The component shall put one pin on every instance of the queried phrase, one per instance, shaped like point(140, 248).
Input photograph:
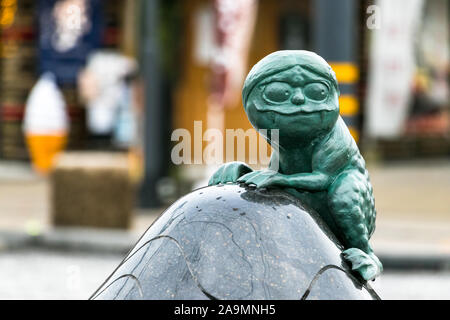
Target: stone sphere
point(235, 242)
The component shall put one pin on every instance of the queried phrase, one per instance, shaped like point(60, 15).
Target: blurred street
point(402, 236)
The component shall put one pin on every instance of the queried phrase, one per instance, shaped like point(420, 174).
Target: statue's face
point(300, 103)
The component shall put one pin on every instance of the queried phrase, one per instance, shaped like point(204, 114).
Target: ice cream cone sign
point(45, 123)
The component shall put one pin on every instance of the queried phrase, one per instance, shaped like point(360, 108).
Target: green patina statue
point(315, 158)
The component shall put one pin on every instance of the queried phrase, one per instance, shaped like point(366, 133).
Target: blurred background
point(91, 92)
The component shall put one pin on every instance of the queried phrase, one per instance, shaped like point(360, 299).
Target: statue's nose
point(298, 98)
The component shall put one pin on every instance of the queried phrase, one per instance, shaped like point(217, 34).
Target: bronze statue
point(317, 160)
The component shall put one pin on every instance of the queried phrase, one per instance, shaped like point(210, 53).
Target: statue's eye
point(316, 91)
point(277, 91)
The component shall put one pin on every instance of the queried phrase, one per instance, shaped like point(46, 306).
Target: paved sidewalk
point(413, 205)
point(413, 224)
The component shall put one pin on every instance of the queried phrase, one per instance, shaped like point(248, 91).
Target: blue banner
point(69, 30)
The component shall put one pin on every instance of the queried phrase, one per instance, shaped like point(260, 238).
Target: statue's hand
point(229, 172)
point(263, 178)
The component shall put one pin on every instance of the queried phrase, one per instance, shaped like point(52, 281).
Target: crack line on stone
point(197, 283)
point(316, 277)
point(261, 251)
point(127, 275)
point(242, 250)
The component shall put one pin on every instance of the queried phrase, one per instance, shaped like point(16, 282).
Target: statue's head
point(295, 91)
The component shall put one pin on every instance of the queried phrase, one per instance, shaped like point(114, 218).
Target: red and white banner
point(392, 67)
point(233, 25)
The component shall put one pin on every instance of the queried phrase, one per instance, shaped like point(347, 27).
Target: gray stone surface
point(236, 242)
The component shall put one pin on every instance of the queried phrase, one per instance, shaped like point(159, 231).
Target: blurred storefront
point(35, 38)
point(408, 89)
point(186, 42)
point(17, 73)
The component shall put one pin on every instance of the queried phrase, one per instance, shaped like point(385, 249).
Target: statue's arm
point(229, 172)
point(326, 165)
point(312, 181)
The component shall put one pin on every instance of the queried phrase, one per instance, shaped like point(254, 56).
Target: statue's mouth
point(295, 111)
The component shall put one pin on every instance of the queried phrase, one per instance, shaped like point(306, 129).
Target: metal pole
point(153, 127)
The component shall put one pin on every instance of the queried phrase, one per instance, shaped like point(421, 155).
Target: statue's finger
point(258, 179)
point(248, 176)
point(265, 183)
